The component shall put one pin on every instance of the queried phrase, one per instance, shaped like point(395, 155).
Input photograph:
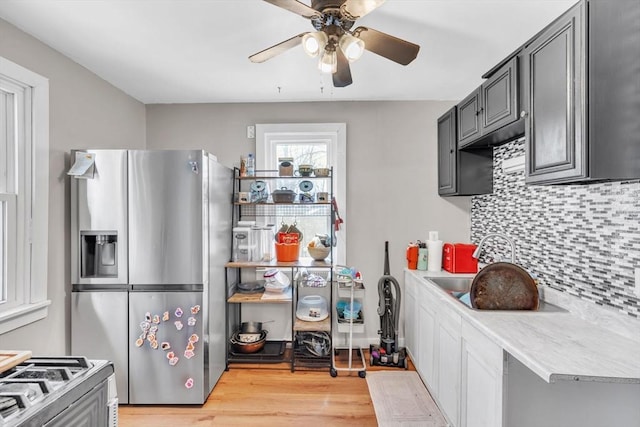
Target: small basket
point(287, 252)
point(319, 253)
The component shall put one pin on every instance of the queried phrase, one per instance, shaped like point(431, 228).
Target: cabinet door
point(447, 153)
point(482, 380)
point(469, 112)
point(555, 115)
point(500, 98)
point(410, 325)
point(427, 341)
point(448, 389)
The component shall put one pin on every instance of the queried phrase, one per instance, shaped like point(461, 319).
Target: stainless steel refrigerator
point(151, 232)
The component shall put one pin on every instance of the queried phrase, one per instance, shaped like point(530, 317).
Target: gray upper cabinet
point(500, 99)
point(491, 107)
point(582, 95)
point(554, 66)
point(461, 173)
point(447, 153)
point(469, 110)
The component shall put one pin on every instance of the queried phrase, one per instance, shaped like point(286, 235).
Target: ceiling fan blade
point(296, 7)
point(358, 8)
point(393, 48)
point(277, 49)
point(342, 76)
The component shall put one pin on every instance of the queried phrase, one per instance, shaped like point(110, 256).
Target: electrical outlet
point(251, 132)
point(637, 288)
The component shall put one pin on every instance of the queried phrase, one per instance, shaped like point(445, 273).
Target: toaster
point(457, 258)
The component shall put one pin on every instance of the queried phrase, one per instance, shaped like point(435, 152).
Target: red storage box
point(456, 258)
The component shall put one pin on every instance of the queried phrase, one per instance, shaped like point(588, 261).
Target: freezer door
point(99, 221)
point(99, 330)
point(166, 374)
point(166, 230)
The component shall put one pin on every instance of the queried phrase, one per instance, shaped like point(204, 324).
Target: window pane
point(305, 153)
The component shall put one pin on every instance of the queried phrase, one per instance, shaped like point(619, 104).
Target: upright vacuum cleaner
point(388, 353)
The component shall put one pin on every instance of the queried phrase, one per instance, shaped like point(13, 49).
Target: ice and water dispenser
point(98, 254)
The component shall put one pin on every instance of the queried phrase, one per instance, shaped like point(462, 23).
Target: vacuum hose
point(388, 310)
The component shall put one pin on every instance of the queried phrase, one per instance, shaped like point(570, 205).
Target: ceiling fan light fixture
point(313, 43)
point(328, 61)
point(351, 46)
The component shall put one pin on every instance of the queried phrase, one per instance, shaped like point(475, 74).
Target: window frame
point(29, 218)
point(267, 135)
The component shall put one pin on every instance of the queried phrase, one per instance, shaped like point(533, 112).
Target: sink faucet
point(476, 253)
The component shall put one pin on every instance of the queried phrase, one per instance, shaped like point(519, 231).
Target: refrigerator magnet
point(178, 324)
point(154, 344)
point(173, 361)
point(195, 309)
point(179, 312)
point(144, 326)
point(189, 354)
point(190, 347)
point(194, 338)
point(165, 346)
point(191, 321)
point(165, 316)
point(139, 342)
point(171, 355)
point(147, 316)
point(156, 319)
point(189, 383)
point(153, 329)
point(151, 337)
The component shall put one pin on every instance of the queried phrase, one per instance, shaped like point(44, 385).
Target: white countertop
point(559, 345)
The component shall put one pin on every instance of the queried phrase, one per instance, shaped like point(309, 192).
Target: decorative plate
point(305, 186)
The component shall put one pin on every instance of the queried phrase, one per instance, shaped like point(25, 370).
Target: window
point(24, 194)
point(318, 144)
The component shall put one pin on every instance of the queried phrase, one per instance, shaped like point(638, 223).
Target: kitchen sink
point(453, 284)
point(459, 287)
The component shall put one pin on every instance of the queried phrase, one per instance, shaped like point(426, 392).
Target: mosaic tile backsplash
point(580, 239)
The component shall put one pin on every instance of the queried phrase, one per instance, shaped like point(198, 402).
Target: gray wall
point(85, 111)
point(392, 189)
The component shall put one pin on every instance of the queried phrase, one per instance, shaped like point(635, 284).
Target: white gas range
point(58, 391)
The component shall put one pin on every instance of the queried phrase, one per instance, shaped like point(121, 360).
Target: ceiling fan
point(334, 41)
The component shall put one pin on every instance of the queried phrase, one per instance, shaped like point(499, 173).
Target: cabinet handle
point(451, 152)
point(523, 114)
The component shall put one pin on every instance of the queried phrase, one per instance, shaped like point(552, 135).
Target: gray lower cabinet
point(582, 95)
point(491, 107)
point(461, 173)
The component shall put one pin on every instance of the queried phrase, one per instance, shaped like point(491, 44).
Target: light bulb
point(328, 61)
point(313, 43)
point(352, 47)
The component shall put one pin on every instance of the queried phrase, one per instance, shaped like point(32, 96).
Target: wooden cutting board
point(504, 286)
point(11, 358)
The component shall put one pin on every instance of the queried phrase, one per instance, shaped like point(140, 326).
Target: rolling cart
point(350, 320)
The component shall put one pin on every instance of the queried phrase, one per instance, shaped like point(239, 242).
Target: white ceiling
point(195, 51)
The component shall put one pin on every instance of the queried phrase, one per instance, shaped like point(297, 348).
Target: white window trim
point(35, 305)
point(267, 134)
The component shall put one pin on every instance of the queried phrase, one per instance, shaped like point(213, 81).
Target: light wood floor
point(269, 397)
